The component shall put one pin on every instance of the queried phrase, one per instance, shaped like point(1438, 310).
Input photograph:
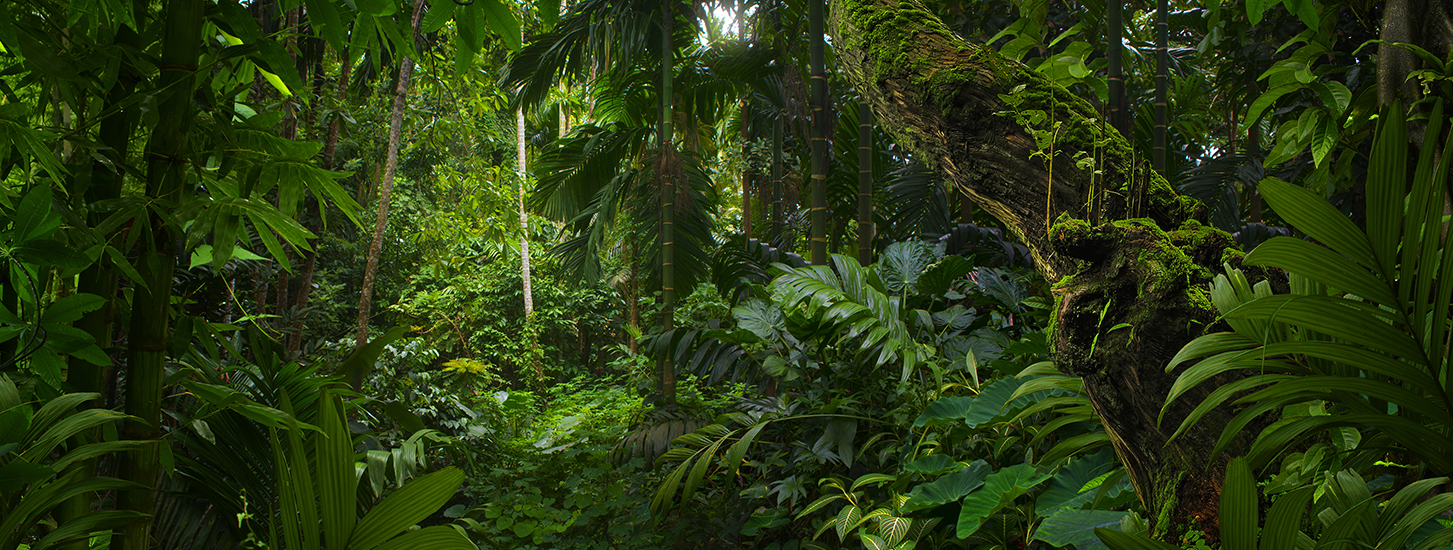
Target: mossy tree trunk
point(953, 104)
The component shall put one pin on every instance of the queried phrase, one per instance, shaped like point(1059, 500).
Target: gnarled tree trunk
point(968, 113)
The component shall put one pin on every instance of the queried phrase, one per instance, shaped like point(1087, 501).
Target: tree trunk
point(865, 184)
point(100, 278)
point(525, 239)
point(818, 132)
point(386, 187)
point(666, 170)
point(1115, 51)
point(939, 96)
point(310, 262)
point(777, 185)
point(151, 303)
point(1162, 76)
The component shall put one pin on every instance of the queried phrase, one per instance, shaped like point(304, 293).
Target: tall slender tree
point(1162, 69)
point(151, 303)
point(386, 186)
point(1115, 52)
point(666, 168)
point(819, 131)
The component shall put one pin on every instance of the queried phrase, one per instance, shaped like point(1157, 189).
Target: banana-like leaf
point(1117, 540)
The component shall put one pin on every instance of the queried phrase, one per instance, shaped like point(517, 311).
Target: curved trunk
point(385, 191)
point(965, 111)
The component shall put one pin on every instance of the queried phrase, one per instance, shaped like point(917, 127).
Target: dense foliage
point(590, 322)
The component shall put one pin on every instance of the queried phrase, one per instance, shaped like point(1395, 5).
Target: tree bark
point(386, 187)
point(952, 104)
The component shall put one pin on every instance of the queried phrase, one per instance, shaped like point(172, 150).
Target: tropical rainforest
point(770, 274)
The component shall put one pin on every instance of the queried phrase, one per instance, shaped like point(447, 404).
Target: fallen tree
point(1130, 258)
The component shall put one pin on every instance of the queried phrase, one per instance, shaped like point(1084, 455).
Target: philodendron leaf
point(949, 488)
point(999, 490)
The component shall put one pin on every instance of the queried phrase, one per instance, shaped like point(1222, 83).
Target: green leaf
point(1117, 540)
point(1306, 10)
point(999, 490)
point(84, 527)
point(337, 485)
point(848, 518)
point(503, 21)
point(946, 489)
point(549, 12)
point(1239, 508)
point(34, 217)
point(872, 542)
point(1284, 521)
point(19, 473)
point(1322, 265)
point(438, 15)
point(71, 308)
point(931, 465)
point(440, 537)
point(1076, 527)
point(1267, 98)
point(324, 14)
point(48, 252)
point(413, 502)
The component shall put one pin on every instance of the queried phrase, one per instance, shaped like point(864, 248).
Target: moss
point(1169, 497)
point(1232, 256)
point(1200, 297)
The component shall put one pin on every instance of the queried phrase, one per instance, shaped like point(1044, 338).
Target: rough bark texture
point(953, 105)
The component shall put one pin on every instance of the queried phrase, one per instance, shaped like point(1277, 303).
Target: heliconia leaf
point(337, 485)
point(1239, 507)
point(324, 14)
point(876, 478)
